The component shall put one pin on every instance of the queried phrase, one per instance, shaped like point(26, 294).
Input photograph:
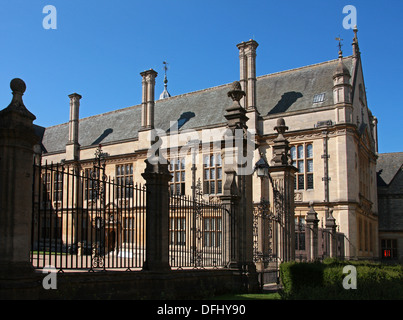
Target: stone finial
point(312, 215)
point(281, 128)
point(236, 114)
point(236, 93)
point(17, 85)
point(281, 145)
point(18, 88)
point(330, 220)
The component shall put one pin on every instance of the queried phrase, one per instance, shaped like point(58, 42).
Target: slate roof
point(286, 91)
point(388, 164)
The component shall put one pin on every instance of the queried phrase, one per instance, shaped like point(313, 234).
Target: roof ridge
point(391, 152)
point(192, 92)
point(96, 115)
point(303, 67)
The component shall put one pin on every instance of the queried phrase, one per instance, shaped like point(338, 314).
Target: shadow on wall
point(286, 101)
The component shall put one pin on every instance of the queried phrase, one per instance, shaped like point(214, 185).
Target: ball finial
point(18, 85)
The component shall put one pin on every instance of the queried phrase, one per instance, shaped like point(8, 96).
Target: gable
point(388, 166)
point(362, 116)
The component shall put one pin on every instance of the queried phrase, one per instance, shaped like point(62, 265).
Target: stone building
point(390, 199)
point(331, 132)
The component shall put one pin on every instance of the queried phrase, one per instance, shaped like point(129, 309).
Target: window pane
point(218, 160)
point(309, 151)
point(212, 173)
point(300, 182)
point(300, 152)
point(206, 160)
point(301, 166)
point(219, 173)
point(183, 163)
point(293, 153)
point(219, 186)
point(219, 224)
point(309, 181)
point(309, 166)
point(206, 224)
point(207, 239)
point(212, 161)
point(183, 176)
point(206, 174)
point(212, 187)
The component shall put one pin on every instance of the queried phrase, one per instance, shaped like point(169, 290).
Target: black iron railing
point(84, 220)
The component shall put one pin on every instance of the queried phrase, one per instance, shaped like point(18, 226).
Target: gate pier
point(17, 140)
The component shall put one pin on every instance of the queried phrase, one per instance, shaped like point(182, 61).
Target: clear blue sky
point(100, 47)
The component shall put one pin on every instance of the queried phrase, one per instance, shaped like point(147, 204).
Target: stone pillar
point(239, 186)
point(230, 199)
point(17, 140)
point(157, 178)
point(282, 175)
point(332, 236)
point(311, 233)
point(234, 152)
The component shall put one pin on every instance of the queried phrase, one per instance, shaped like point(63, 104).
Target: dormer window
point(319, 98)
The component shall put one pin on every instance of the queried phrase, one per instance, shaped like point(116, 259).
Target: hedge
point(316, 280)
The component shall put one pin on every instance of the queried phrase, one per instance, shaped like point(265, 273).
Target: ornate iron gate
point(198, 232)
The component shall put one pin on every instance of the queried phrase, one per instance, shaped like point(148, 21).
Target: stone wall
point(137, 285)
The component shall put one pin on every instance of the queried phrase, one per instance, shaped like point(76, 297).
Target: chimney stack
point(74, 117)
point(73, 147)
point(247, 64)
point(147, 114)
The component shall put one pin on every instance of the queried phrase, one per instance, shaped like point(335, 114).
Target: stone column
point(311, 233)
point(17, 140)
point(282, 175)
point(157, 178)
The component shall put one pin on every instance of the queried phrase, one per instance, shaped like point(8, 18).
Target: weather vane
point(340, 40)
point(165, 66)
